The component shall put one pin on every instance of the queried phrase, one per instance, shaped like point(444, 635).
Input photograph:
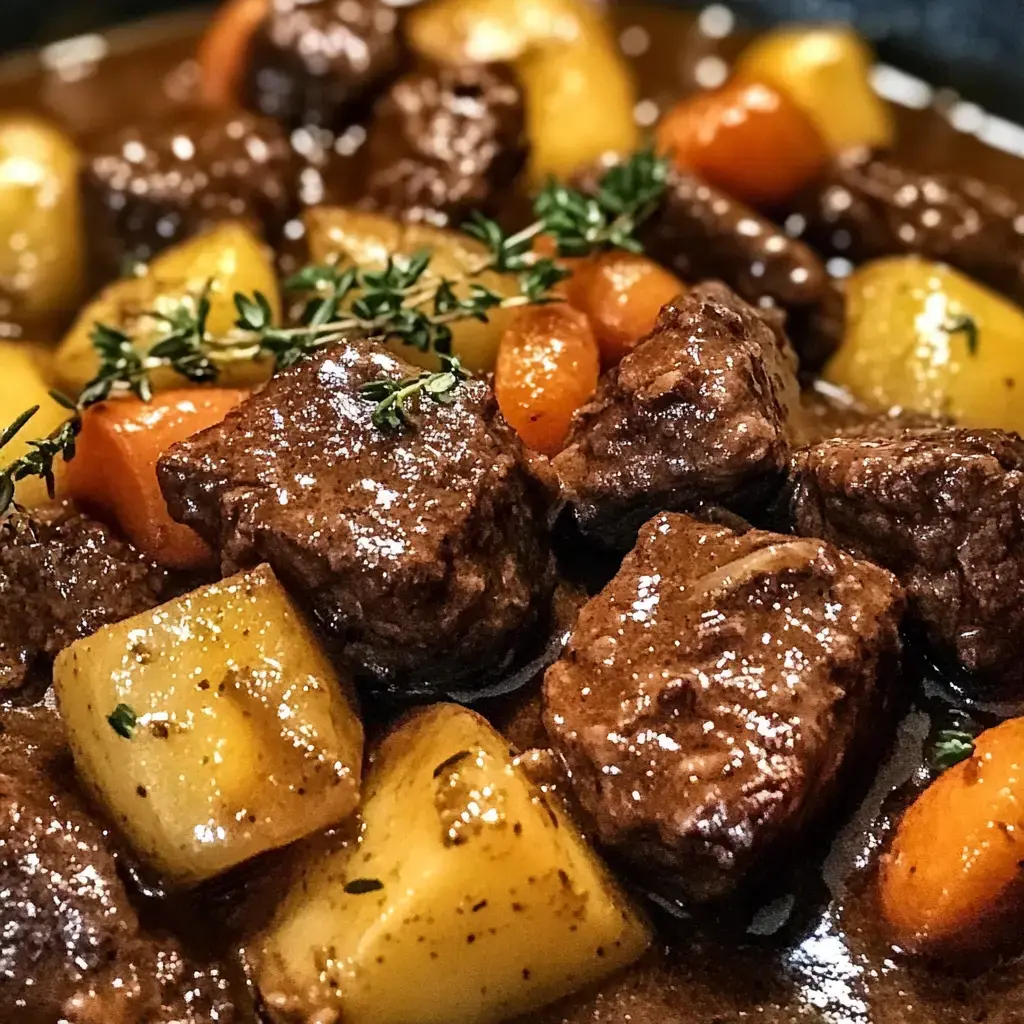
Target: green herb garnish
point(951, 747)
point(966, 325)
point(123, 720)
point(403, 301)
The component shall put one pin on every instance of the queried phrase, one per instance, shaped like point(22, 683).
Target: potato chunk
point(469, 898)
point(925, 337)
point(212, 728)
point(230, 257)
point(370, 238)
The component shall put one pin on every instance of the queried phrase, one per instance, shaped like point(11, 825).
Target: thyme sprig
point(950, 748)
point(405, 300)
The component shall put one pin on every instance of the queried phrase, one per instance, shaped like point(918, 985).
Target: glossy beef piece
point(446, 141)
point(700, 412)
point(870, 205)
point(321, 62)
point(73, 950)
point(423, 551)
point(62, 577)
point(149, 185)
point(702, 232)
point(713, 694)
point(943, 509)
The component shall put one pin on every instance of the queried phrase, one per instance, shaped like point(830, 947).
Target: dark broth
point(813, 952)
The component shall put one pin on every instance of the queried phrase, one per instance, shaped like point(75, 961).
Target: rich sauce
point(813, 951)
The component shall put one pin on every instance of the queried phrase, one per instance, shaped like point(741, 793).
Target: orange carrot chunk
point(952, 881)
point(622, 294)
point(547, 367)
point(747, 138)
point(113, 472)
point(224, 47)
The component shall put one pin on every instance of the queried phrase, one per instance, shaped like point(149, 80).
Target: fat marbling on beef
point(700, 412)
point(72, 949)
point(943, 509)
point(716, 692)
point(62, 577)
point(423, 551)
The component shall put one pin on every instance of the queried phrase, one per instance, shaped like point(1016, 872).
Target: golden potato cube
point(230, 257)
point(212, 728)
point(925, 337)
point(369, 239)
point(469, 898)
point(826, 70)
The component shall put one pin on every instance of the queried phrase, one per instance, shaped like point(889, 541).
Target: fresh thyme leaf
point(15, 428)
point(963, 323)
point(123, 720)
point(254, 314)
point(951, 747)
point(38, 461)
point(391, 395)
point(361, 886)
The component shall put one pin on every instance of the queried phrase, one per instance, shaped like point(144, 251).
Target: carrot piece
point(547, 367)
point(223, 48)
point(747, 138)
point(952, 880)
point(114, 469)
point(622, 294)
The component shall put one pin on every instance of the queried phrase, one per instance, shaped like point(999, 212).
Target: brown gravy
point(814, 951)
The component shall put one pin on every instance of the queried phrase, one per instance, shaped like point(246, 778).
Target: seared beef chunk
point(446, 141)
point(713, 694)
point(699, 412)
point(702, 232)
point(148, 186)
point(62, 577)
point(72, 949)
point(870, 206)
point(944, 510)
point(423, 550)
point(321, 62)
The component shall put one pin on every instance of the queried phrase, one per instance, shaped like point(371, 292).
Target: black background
point(976, 46)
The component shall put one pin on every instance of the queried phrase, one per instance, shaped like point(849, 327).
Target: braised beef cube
point(715, 694)
point(73, 949)
point(698, 413)
point(62, 577)
point(702, 232)
point(444, 142)
point(943, 509)
point(321, 63)
point(423, 551)
point(869, 205)
point(147, 186)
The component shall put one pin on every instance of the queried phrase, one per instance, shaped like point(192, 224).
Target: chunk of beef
point(714, 693)
point(424, 550)
point(870, 205)
point(944, 510)
point(62, 577)
point(444, 142)
point(71, 946)
point(702, 232)
point(699, 412)
point(147, 186)
point(321, 63)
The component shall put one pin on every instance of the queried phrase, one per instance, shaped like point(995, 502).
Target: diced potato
point(368, 239)
point(922, 336)
point(469, 899)
point(826, 70)
point(579, 107)
point(41, 239)
point(483, 31)
point(580, 93)
point(23, 384)
point(229, 255)
point(242, 738)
